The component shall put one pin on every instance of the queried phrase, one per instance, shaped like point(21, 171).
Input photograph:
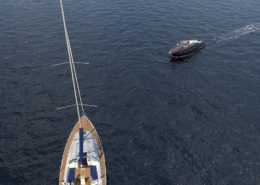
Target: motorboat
point(186, 48)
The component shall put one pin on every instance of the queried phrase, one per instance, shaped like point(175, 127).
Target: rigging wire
point(68, 62)
point(74, 105)
point(72, 66)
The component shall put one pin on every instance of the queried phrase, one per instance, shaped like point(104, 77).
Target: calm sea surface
point(190, 122)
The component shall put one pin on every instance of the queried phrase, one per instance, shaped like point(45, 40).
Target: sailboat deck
point(87, 126)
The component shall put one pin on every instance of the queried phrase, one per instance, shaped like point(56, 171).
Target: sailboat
point(83, 160)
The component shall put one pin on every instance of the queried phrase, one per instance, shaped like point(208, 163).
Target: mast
point(75, 85)
point(81, 145)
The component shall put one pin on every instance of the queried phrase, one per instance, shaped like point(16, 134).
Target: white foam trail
point(239, 32)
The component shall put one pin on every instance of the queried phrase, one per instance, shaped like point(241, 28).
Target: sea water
point(160, 122)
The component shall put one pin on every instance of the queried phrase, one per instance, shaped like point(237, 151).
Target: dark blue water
point(192, 122)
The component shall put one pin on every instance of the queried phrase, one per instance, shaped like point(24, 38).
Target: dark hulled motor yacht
point(186, 48)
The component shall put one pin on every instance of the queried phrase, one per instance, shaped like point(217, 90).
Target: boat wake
point(239, 32)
